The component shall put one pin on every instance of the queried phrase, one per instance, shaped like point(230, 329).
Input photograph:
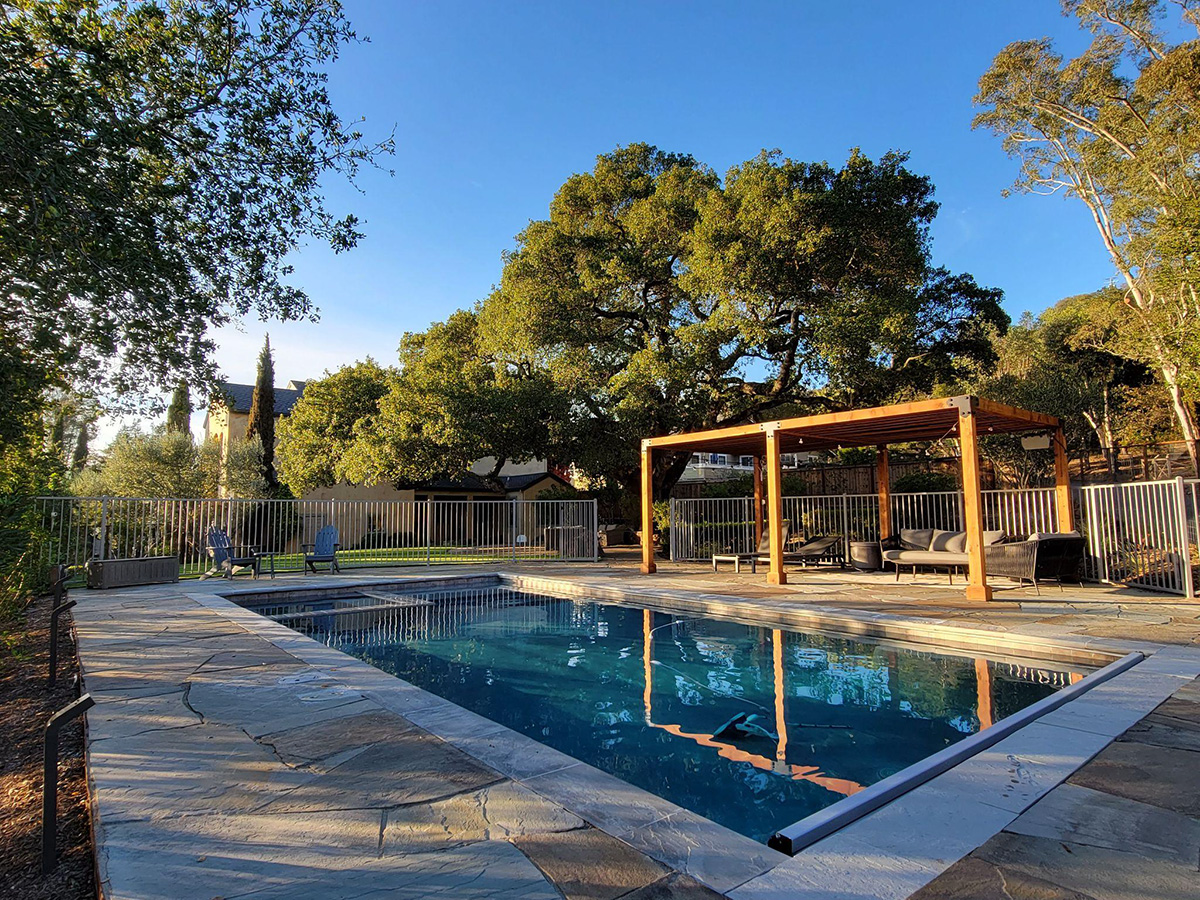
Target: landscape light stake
point(50, 777)
point(58, 578)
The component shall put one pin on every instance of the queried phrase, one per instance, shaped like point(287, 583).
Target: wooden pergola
point(965, 418)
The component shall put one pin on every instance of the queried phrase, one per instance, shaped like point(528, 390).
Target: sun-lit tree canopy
point(657, 297)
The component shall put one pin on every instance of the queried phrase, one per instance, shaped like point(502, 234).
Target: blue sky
point(495, 105)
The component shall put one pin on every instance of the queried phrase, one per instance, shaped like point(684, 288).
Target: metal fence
point(702, 527)
point(371, 532)
point(1144, 535)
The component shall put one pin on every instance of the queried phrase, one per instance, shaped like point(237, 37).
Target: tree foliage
point(1117, 127)
point(170, 464)
point(321, 429)
point(655, 298)
point(453, 401)
point(159, 159)
point(260, 423)
point(179, 412)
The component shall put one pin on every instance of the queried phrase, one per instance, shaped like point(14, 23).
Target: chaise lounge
point(815, 550)
point(764, 547)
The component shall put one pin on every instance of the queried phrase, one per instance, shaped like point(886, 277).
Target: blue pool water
point(644, 695)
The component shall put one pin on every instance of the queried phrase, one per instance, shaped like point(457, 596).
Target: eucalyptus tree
point(1118, 128)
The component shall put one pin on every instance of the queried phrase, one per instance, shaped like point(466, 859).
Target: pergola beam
point(648, 566)
point(968, 438)
point(775, 574)
point(883, 484)
point(1062, 483)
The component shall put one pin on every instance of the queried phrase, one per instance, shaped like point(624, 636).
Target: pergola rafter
point(965, 418)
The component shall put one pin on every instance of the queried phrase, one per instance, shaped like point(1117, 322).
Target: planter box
point(114, 573)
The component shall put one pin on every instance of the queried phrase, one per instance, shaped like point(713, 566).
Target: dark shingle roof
point(520, 482)
point(239, 396)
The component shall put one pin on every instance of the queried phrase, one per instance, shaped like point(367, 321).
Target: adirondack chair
point(323, 549)
point(226, 558)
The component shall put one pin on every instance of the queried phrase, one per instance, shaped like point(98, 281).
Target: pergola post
point(775, 575)
point(758, 501)
point(1062, 483)
point(968, 438)
point(884, 486)
point(648, 566)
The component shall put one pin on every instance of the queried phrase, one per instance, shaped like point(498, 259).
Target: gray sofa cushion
point(915, 538)
point(925, 557)
point(992, 537)
point(951, 541)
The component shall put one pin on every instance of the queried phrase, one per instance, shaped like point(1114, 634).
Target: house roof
point(521, 482)
point(238, 397)
point(472, 483)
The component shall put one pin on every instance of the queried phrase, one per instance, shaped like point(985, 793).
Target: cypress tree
point(179, 413)
point(79, 455)
point(262, 412)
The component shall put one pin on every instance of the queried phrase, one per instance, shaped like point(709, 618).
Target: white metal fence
point(1144, 535)
point(702, 527)
point(371, 532)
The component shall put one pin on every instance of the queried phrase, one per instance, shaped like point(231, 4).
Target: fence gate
point(1143, 535)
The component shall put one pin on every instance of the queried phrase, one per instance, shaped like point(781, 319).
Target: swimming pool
point(753, 727)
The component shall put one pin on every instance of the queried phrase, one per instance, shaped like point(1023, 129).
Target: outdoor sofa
point(931, 548)
point(1040, 557)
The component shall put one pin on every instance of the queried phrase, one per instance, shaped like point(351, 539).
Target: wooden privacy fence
point(1145, 534)
point(371, 532)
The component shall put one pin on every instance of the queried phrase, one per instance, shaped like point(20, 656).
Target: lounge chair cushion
point(915, 538)
point(1050, 535)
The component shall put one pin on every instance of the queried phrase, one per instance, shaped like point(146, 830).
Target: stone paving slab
point(1161, 776)
point(1100, 819)
point(589, 864)
point(1095, 872)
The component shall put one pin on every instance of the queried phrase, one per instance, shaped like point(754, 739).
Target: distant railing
point(1145, 535)
point(371, 532)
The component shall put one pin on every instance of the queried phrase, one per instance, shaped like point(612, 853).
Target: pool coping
point(972, 790)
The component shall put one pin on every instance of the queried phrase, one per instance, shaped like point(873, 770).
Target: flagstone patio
point(231, 757)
